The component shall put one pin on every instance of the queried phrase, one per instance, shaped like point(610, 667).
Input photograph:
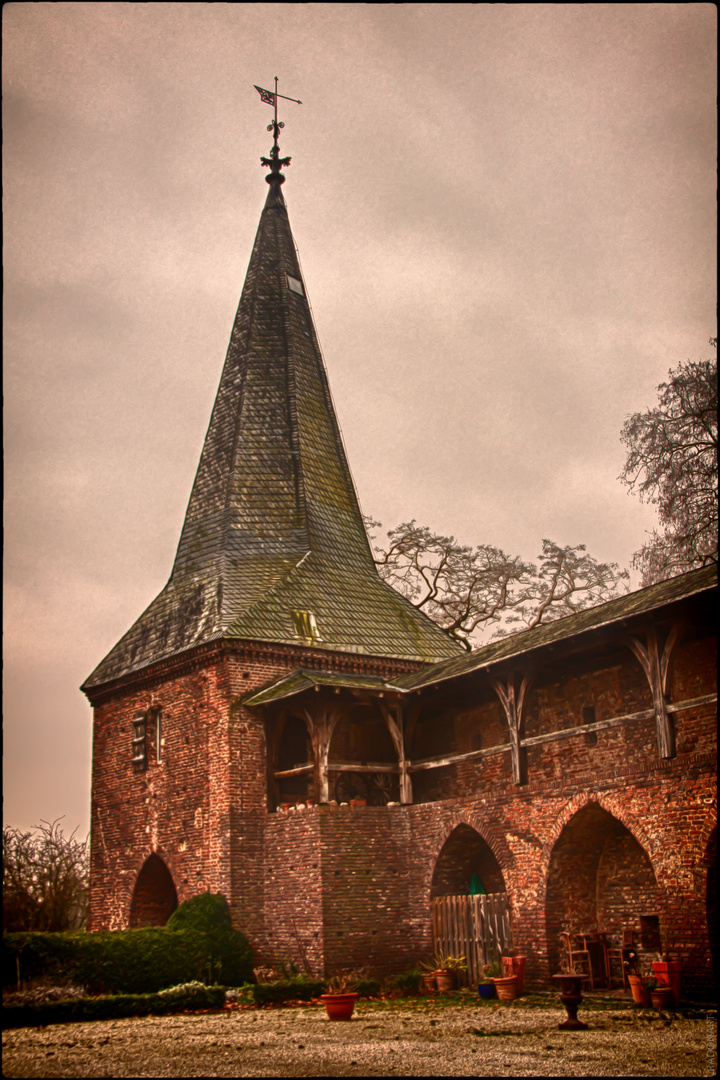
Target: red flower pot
point(515, 965)
point(661, 997)
point(339, 1006)
point(444, 979)
point(506, 988)
point(641, 996)
point(669, 972)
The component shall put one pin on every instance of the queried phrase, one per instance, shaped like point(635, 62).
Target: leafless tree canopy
point(45, 879)
point(466, 590)
point(672, 462)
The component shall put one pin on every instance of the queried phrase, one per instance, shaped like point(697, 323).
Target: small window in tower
point(305, 625)
point(139, 743)
point(296, 285)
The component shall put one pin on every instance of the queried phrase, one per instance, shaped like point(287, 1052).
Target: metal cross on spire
point(275, 162)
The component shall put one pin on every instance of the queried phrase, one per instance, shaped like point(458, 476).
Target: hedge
point(299, 989)
point(197, 943)
point(113, 1007)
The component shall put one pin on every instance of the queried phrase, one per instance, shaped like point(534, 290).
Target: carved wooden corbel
point(393, 716)
point(513, 699)
point(656, 666)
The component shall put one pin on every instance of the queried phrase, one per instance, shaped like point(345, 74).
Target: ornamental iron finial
point(275, 163)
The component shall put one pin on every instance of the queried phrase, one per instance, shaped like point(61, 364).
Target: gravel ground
point(405, 1040)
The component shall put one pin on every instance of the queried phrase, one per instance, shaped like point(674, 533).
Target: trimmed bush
point(368, 987)
point(299, 989)
point(199, 944)
point(178, 998)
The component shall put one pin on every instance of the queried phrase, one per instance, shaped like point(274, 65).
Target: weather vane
point(275, 162)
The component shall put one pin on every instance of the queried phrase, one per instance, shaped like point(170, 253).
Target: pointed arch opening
point(466, 864)
point(154, 897)
point(601, 881)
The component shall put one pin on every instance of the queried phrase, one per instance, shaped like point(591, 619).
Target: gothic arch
point(154, 896)
point(466, 863)
point(492, 854)
point(598, 877)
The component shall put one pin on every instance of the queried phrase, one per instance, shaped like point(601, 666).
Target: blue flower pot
point(486, 990)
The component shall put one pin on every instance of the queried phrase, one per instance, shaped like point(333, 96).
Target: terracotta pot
point(486, 990)
point(428, 984)
point(641, 996)
point(506, 988)
point(339, 1006)
point(515, 965)
point(669, 971)
point(358, 802)
point(661, 997)
point(445, 980)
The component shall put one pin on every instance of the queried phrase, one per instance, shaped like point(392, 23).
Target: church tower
point(273, 578)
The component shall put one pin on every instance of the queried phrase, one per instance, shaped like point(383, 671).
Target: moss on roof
point(273, 524)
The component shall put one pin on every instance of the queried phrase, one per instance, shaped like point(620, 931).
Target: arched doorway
point(470, 913)
point(154, 898)
point(600, 880)
point(465, 865)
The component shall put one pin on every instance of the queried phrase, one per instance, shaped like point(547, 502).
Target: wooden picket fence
point(476, 927)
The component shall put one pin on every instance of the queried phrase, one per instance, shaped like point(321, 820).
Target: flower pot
point(339, 1006)
point(428, 984)
point(661, 997)
point(358, 802)
point(444, 979)
point(669, 971)
point(506, 988)
point(515, 965)
point(571, 996)
point(486, 990)
point(641, 996)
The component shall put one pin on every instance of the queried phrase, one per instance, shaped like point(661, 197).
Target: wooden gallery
point(283, 727)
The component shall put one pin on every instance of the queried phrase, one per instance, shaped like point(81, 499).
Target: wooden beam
point(393, 716)
point(656, 665)
point(513, 700)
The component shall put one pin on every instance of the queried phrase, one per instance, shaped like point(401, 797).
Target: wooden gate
point(476, 927)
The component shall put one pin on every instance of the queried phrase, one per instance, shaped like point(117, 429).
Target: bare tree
point(468, 590)
point(45, 879)
point(672, 462)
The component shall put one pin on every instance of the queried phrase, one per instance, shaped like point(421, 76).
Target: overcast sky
point(506, 221)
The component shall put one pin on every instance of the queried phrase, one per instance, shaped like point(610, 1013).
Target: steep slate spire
point(273, 547)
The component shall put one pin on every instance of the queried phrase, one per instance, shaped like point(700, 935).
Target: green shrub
point(300, 988)
point(408, 982)
point(368, 987)
point(198, 943)
point(177, 998)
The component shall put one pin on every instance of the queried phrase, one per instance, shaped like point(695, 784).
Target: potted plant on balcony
point(340, 995)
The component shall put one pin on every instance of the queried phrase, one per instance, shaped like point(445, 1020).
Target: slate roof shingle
point(273, 522)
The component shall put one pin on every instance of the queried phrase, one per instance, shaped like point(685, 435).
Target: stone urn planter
point(339, 1006)
point(506, 988)
point(669, 972)
point(661, 997)
point(515, 965)
point(641, 996)
point(571, 996)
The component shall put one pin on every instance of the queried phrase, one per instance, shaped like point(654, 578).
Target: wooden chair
point(578, 959)
point(622, 955)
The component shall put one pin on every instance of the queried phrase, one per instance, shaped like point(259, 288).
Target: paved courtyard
point(405, 1039)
